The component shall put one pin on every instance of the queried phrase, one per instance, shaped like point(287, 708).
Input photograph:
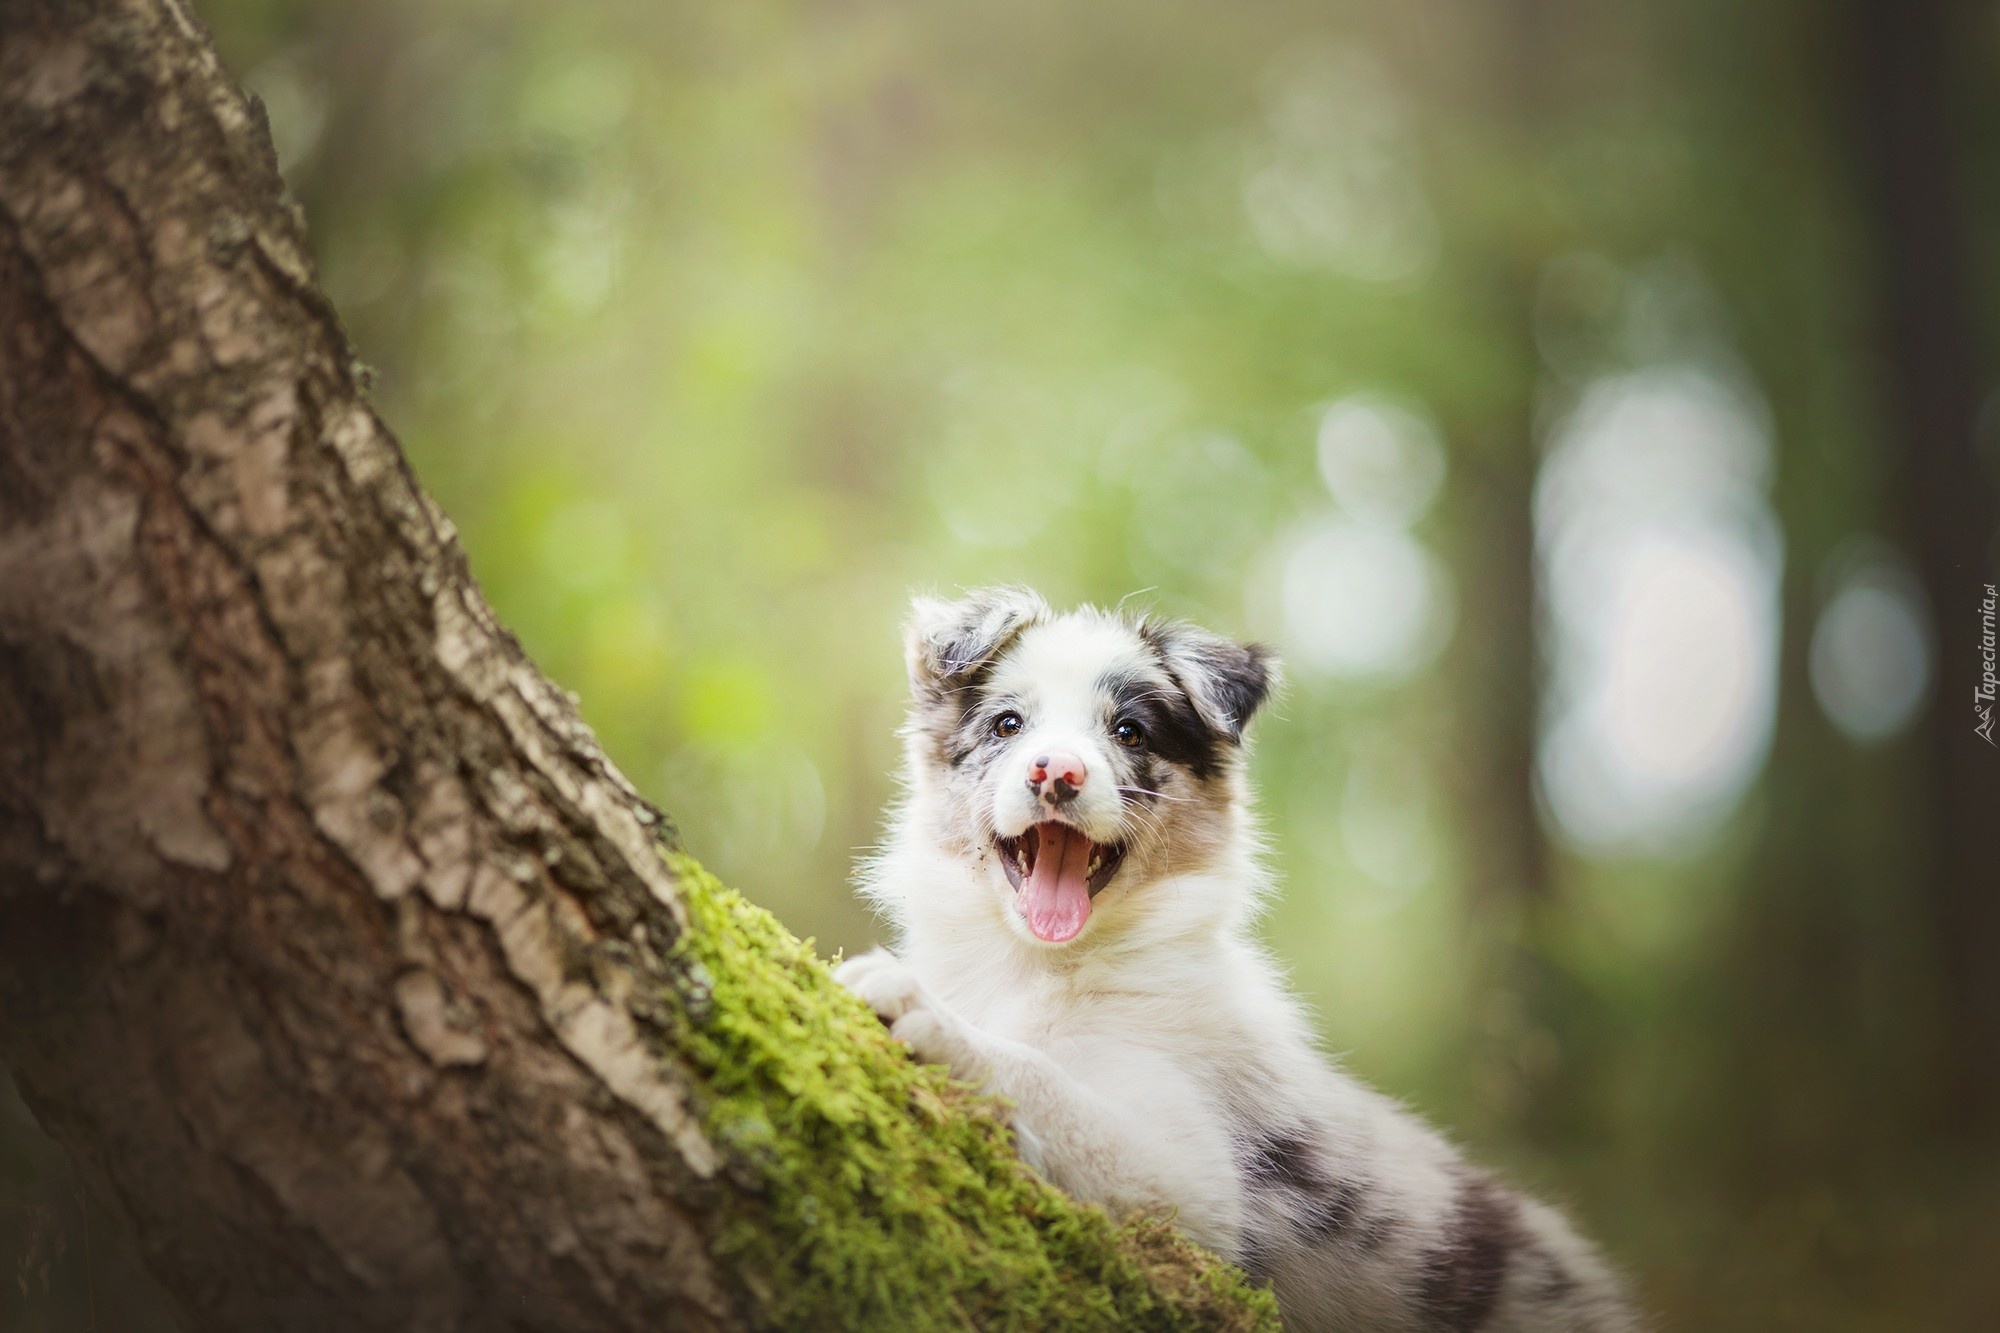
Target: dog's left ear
point(1227, 681)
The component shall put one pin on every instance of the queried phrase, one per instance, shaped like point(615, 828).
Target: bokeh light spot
point(1382, 461)
point(1660, 562)
point(1360, 600)
point(1871, 652)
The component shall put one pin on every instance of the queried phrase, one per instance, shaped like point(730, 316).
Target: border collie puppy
point(1072, 874)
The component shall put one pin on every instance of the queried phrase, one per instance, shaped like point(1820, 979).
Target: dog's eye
point(1129, 733)
point(1007, 724)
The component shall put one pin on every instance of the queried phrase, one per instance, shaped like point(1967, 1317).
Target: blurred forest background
point(1592, 401)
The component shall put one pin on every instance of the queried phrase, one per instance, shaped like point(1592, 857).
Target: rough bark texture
point(331, 946)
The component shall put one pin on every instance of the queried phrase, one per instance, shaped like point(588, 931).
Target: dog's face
point(1076, 755)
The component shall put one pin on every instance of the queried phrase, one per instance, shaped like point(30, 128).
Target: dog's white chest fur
point(1073, 874)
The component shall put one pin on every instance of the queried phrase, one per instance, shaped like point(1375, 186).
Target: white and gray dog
point(1073, 874)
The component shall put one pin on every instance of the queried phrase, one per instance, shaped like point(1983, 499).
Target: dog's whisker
point(1157, 795)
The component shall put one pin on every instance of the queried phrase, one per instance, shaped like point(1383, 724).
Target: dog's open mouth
point(1056, 871)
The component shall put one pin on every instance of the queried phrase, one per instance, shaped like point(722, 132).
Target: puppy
point(1072, 874)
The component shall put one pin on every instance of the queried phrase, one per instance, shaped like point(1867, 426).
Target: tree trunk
point(1511, 881)
point(331, 945)
point(1900, 90)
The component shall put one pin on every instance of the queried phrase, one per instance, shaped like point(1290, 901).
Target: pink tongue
point(1055, 897)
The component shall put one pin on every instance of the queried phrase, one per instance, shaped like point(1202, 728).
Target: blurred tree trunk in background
point(1500, 673)
point(331, 946)
point(1905, 114)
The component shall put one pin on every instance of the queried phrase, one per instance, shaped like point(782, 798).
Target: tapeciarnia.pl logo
point(1982, 693)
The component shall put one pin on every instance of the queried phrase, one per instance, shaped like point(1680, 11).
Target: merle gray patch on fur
point(1253, 1255)
point(1280, 1158)
point(1462, 1276)
point(1283, 1163)
point(951, 721)
point(1144, 788)
point(970, 731)
point(1333, 1212)
point(1555, 1282)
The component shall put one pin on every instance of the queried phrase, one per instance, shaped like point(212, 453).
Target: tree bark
point(331, 945)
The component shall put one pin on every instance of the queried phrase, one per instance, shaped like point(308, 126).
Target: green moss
point(878, 1194)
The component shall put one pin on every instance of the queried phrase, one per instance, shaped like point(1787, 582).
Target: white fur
point(1141, 1056)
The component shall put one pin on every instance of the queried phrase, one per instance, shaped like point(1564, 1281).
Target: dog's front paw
point(914, 1018)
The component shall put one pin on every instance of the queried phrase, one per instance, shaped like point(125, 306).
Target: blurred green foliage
point(719, 329)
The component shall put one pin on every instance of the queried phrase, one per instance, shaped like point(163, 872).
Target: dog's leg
point(1064, 1130)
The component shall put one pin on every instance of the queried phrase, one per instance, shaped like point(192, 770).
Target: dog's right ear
point(946, 643)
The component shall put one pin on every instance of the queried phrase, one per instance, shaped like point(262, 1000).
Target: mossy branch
point(885, 1194)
